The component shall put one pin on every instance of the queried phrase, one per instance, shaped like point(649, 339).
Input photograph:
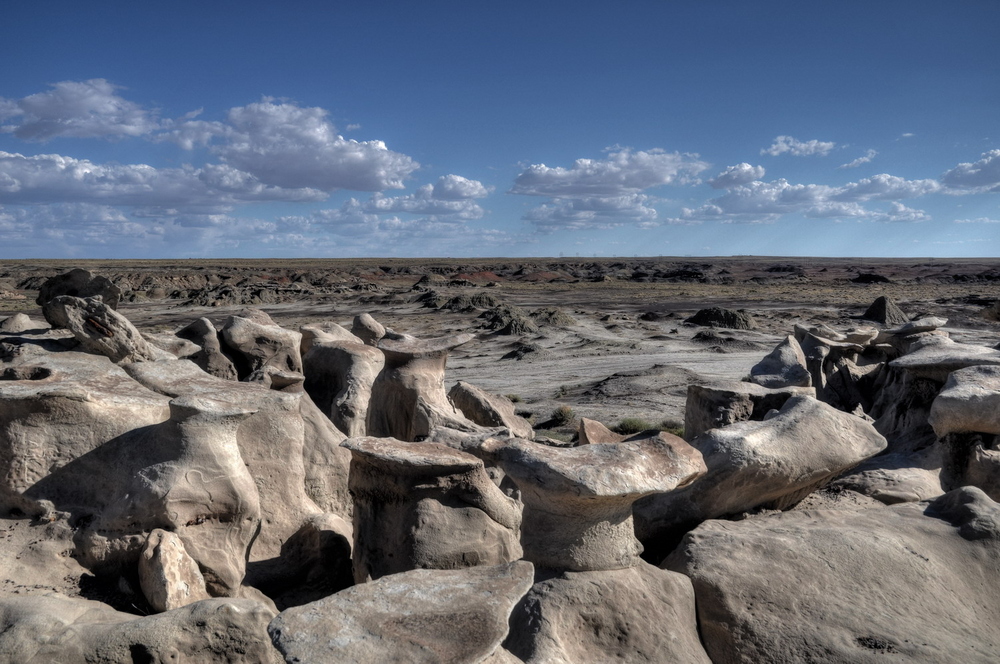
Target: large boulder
point(969, 401)
point(254, 342)
point(55, 628)
point(80, 283)
point(912, 582)
point(578, 501)
point(168, 576)
point(489, 410)
point(99, 329)
point(210, 358)
point(726, 402)
point(426, 505)
point(420, 616)
point(785, 366)
point(339, 378)
point(773, 463)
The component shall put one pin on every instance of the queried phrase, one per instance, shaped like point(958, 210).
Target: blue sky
point(252, 129)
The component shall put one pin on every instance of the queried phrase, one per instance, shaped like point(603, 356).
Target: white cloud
point(742, 173)
point(288, 146)
point(885, 187)
point(352, 127)
point(624, 171)
point(52, 178)
point(977, 220)
point(797, 148)
point(591, 212)
point(189, 133)
point(76, 109)
point(868, 156)
point(980, 176)
point(455, 188)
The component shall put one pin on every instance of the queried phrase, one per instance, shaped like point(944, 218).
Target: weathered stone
point(425, 505)
point(179, 348)
point(969, 402)
point(896, 478)
point(637, 614)
point(773, 463)
point(489, 410)
point(369, 330)
point(80, 283)
point(325, 331)
point(420, 616)
point(169, 577)
point(726, 402)
point(883, 310)
point(578, 501)
point(99, 329)
point(408, 397)
point(592, 432)
point(719, 317)
point(910, 582)
point(18, 323)
point(785, 366)
point(339, 378)
point(55, 628)
point(254, 345)
point(211, 359)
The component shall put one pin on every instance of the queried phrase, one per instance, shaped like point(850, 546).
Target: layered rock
point(910, 582)
point(80, 283)
point(773, 463)
point(724, 403)
point(417, 616)
point(425, 505)
point(489, 410)
point(99, 329)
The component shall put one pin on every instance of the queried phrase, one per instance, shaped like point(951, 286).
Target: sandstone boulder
point(324, 331)
point(727, 318)
point(18, 323)
point(254, 344)
point(369, 330)
point(99, 329)
point(969, 401)
point(339, 378)
point(726, 402)
point(169, 577)
point(420, 616)
point(210, 358)
point(785, 366)
point(489, 410)
point(425, 505)
point(910, 582)
point(592, 432)
point(80, 283)
point(773, 463)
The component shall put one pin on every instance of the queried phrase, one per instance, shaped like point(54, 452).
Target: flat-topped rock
point(578, 501)
point(937, 357)
point(969, 402)
point(420, 616)
point(722, 403)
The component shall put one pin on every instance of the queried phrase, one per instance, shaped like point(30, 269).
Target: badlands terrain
point(742, 459)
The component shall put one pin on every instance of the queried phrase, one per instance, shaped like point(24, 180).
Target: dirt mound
point(725, 342)
point(522, 350)
point(508, 319)
point(883, 310)
point(870, 278)
point(552, 316)
point(719, 317)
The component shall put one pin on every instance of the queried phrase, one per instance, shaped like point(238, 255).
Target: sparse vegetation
point(562, 416)
point(514, 398)
point(670, 425)
point(630, 425)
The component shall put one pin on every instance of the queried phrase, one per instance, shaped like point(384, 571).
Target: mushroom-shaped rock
point(210, 358)
point(168, 576)
point(254, 345)
point(80, 283)
point(726, 402)
point(55, 628)
point(969, 402)
point(100, 329)
point(913, 582)
point(421, 616)
point(773, 463)
point(578, 501)
point(369, 330)
point(408, 397)
point(426, 505)
point(489, 410)
point(325, 331)
point(339, 378)
point(883, 310)
point(592, 432)
point(57, 407)
point(785, 366)
point(638, 614)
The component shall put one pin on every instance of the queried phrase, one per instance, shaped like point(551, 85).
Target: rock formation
point(489, 410)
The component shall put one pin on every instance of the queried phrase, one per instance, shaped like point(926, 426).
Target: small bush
point(630, 425)
point(562, 416)
point(673, 426)
point(514, 398)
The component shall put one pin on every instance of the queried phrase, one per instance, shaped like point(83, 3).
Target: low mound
point(719, 317)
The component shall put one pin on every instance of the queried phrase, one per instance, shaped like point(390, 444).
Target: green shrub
point(630, 425)
point(673, 426)
point(562, 416)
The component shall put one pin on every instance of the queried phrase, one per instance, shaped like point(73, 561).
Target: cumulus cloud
point(742, 173)
point(76, 109)
point(868, 156)
point(624, 171)
point(591, 212)
point(885, 187)
point(289, 146)
point(976, 177)
point(51, 178)
point(797, 148)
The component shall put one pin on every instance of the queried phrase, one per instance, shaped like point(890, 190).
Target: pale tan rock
point(169, 577)
point(369, 330)
point(19, 323)
point(324, 331)
point(910, 582)
point(408, 397)
point(592, 432)
point(254, 345)
point(637, 614)
point(54, 628)
point(489, 410)
point(210, 358)
point(421, 616)
point(80, 283)
point(99, 329)
point(578, 501)
point(425, 505)
point(785, 366)
point(773, 463)
point(969, 402)
point(339, 378)
point(726, 402)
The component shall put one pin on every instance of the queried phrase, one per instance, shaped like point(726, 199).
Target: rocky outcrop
point(788, 587)
point(210, 358)
point(369, 330)
point(591, 432)
point(339, 378)
point(99, 329)
point(256, 342)
point(724, 403)
point(969, 402)
point(785, 366)
point(80, 283)
point(883, 310)
point(168, 576)
point(417, 616)
point(425, 505)
point(719, 317)
point(773, 463)
point(489, 410)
